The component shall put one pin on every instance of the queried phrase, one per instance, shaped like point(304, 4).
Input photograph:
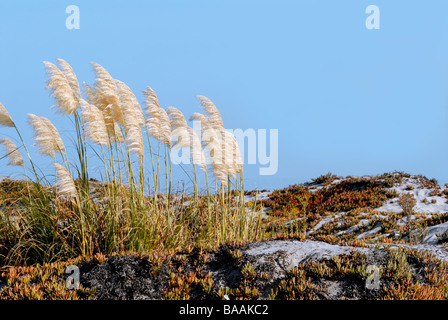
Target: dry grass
point(46, 222)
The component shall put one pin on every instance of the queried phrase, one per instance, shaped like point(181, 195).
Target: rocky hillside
point(381, 237)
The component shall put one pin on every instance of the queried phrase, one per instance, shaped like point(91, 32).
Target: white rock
point(295, 252)
point(431, 237)
point(260, 196)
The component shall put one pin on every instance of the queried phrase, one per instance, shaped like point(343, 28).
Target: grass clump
point(74, 215)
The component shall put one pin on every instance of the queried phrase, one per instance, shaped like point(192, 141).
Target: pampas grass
point(107, 91)
point(230, 152)
point(94, 98)
point(70, 75)
point(60, 89)
point(158, 126)
point(186, 137)
point(77, 215)
point(5, 118)
point(165, 129)
point(65, 185)
point(222, 146)
point(46, 136)
point(215, 119)
point(113, 130)
point(158, 122)
point(213, 142)
point(197, 153)
point(95, 125)
point(133, 133)
point(129, 102)
point(226, 162)
point(13, 154)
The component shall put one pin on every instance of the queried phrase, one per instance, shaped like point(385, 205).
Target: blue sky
point(345, 99)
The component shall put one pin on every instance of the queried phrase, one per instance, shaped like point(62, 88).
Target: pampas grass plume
point(5, 118)
point(134, 135)
point(188, 137)
point(46, 135)
point(215, 119)
point(130, 102)
point(15, 159)
point(107, 91)
point(159, 124)
point(65, 185)
point(60, 89)
point(196, 151)
point(70, 75)
point(96, 129)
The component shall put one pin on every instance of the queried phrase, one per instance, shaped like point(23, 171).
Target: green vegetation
point(42, 221)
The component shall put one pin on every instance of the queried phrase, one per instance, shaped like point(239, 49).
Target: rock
point(375, 230)
point(283, 255)
point(433, 231)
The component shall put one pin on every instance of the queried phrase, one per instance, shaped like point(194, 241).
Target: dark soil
point(136, 278)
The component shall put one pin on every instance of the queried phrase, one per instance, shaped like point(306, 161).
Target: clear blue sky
point(345, 99)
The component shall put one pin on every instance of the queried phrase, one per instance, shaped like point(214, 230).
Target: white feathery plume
point(46, 135)
point(188, 137)
point(109, 97)
point(214, 116)
point(231, 151)
point(181, 137)
point(113, 130)
point(222, 145)
point(229, 159)
point(180, 134)
point(158, 122)
point(60, 89)
point(107, 90)
point(165, 128)
point(217, 139)
point(133, 133)
point(99, 97)
point(101, 72)
point(177, 119)
point(220, 173)
point(132, 124)
point(130, 102)
point(238, 161)
point(202, 118)
point(91, 95)
point(70, 75)
point(196, 151)
point(151, 100)
point(213, 142)
point(54, 134)
point(153, 112)
point(65, 185)
point(94, 123)
point(153, 124)
point(5, 118)
point(210, 135)
point(15, 158)
point(131, 120)
point(95, 98)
